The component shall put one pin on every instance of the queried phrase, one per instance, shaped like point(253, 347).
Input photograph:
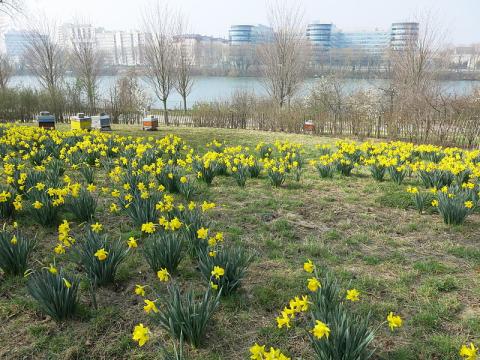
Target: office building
point(16, 44)
point(249, 34)
point(404, 34)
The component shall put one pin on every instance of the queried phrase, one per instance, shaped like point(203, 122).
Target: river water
point(210, 88)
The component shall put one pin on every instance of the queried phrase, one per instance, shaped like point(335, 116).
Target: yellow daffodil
point(101, 254)
point(141, 334)
point(353, 295)
point(163, 275)
point(394, 321)
point(320, 330)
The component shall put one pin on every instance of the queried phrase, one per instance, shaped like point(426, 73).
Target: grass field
point(364, 231)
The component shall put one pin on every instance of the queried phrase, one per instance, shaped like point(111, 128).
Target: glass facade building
point(320, 35)
point(249, 34)
point(404, 34)
point(16, 43)
point(327, 36)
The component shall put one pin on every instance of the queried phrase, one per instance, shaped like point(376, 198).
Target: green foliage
point(234, 260)
point(187, 316)
point(378, 171)
point(325, 170)
point(344, 167)
point(264, 150)
point(240, 173)
point(7, 197)
point(55, 168)
point(207, 173)
point(47, 214)
point(397, 174)
point(169, 177)
point(14, 252)
point(255, 169)
point(436, 178)
point(187, 188)
point(452, 205)
point(422, 200)
point(193, 220)
point(100, 272)
point(83, 206)
point(276, 176)
point(140, 209)
point(350, 336)
point(52, 293)
point(88, 173)
point(164, 250)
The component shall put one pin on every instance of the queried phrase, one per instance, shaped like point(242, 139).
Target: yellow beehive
point(80, 122)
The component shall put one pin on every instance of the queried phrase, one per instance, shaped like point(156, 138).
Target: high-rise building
point(320, 35)
point(70, 34)
point(325, 37)
point(16, 44)
point(249, 34)
point(204, 51)
point(3, 28)
point(125, 48)
point(106, 45)
point(404, 34)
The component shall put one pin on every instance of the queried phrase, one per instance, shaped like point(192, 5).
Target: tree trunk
point(185, 104)
point(165, 112)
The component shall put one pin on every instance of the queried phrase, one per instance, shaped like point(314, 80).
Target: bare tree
point(46, 59)
point(283, 57)
point(87, 62)
point(161, 25)
point(10, 7)
point(183, 67)
point(414, 82)
point(6, 71)
point(126, 99)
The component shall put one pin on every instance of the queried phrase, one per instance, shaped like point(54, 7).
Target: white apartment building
point(125, 48)
point(204, 51)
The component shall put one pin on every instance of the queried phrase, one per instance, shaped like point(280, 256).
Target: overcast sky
point(213, 17)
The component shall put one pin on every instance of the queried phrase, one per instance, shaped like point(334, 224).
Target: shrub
point(101, 269)
point(164, 250)
point(184, 315)
point(14, 252)
point(234, 260)
point(56, 294)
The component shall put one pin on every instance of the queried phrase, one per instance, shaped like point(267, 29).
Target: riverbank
point(218, 88)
